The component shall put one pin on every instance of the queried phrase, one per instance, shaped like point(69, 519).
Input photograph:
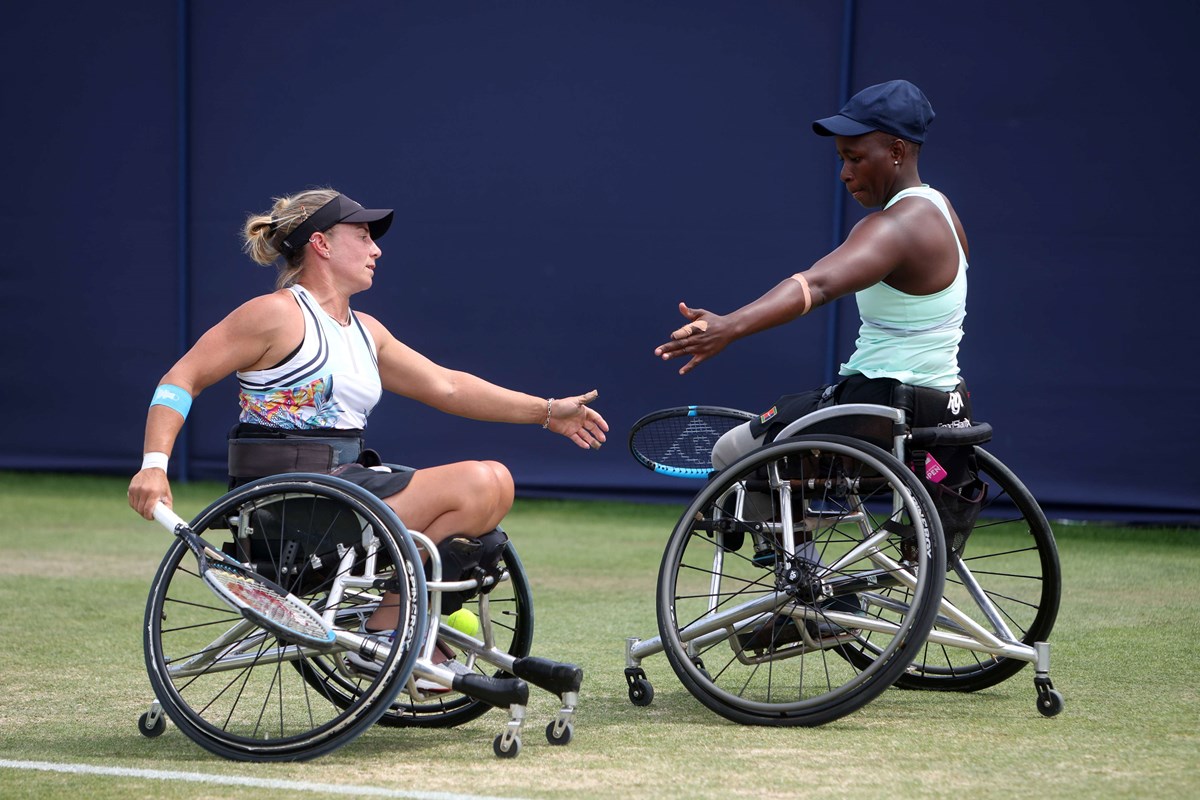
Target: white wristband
point(155, 461)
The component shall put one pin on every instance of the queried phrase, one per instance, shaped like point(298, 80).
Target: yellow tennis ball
point(464, 620)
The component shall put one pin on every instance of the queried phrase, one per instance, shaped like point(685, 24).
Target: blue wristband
point(172, 397)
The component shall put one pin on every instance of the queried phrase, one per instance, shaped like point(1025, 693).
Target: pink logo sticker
point(934, 473)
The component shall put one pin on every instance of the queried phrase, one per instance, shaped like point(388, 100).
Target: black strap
point(256, 458)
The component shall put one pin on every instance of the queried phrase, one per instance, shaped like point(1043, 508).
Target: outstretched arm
point(408, 373)
point(707, 334)
point(868, 256)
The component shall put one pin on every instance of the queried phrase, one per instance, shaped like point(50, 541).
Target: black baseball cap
point(895, 107)
point(339, 209)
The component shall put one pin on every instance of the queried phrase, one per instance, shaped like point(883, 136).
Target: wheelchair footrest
point(553, 676)
point(498, 692)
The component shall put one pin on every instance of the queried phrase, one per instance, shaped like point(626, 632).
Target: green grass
point(75, 566)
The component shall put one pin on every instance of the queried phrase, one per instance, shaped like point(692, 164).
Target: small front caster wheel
point(640, 692)
point(511, 751)
point(1050, 702)
point(151, 729)
point(560, 737)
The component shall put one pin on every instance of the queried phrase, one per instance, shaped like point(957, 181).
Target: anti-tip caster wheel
point(1050, 703)
point(511, 751)
point(151, 729)
point(640, 692)
point(562, 736)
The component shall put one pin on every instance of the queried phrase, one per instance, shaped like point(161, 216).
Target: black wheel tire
point(1050, 704)
point(563, 738)
point(151, 731)
point(641, 693)
point(514, 747)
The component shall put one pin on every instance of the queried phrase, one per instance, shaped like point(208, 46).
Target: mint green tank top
point(912, 338)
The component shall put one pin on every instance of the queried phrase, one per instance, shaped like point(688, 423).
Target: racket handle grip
point(168, 518)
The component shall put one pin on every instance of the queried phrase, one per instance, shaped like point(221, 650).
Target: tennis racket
point(679, 441)
point(259, 600)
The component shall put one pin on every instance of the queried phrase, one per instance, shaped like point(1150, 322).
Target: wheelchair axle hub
point(797, 577)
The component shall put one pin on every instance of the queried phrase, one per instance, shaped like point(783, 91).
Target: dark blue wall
point(564, 173)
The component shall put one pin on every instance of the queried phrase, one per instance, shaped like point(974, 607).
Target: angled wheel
point(1007, 580)
point(799, 552)
point(235, 689)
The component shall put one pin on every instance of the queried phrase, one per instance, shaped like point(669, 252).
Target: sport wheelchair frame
point(814, 573)
point(242, 693)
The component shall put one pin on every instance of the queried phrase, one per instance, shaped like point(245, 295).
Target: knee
point(504, 480)
point(492, 485)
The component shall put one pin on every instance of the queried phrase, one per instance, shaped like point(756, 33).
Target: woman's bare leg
point(468, 498)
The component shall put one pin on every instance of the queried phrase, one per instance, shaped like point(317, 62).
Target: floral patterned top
point(330, 381)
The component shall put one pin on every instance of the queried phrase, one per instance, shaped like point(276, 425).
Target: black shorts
point(925, 407)
point(380, 484)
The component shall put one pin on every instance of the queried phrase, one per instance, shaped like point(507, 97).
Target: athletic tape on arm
point(803, 281)
point(172, 397)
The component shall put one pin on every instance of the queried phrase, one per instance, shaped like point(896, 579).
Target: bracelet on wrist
point(549, 403)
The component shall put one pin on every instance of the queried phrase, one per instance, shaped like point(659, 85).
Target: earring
point(897, 163)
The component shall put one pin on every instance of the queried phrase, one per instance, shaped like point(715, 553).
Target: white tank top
point(330, 381)
point(912, 338)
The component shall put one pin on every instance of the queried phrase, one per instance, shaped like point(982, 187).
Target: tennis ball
point(464, 620)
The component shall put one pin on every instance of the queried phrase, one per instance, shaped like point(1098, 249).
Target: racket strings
point(274, 607)
point(685, 442)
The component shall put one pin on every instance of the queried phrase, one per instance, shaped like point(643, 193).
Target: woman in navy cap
point(311, 369)
point(905, 263)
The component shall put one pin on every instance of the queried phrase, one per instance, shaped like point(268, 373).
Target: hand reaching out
point(704, 335)
point(572, 417)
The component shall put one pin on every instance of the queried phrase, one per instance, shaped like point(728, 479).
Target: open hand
point(572, 417)
point(701, 338)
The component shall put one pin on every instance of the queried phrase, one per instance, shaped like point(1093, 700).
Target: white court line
point(234, 780)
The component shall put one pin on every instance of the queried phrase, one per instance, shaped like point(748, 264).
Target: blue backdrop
point(564, 173)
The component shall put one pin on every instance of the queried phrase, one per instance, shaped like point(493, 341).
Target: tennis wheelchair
point(242, 686)
point(821, 569)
